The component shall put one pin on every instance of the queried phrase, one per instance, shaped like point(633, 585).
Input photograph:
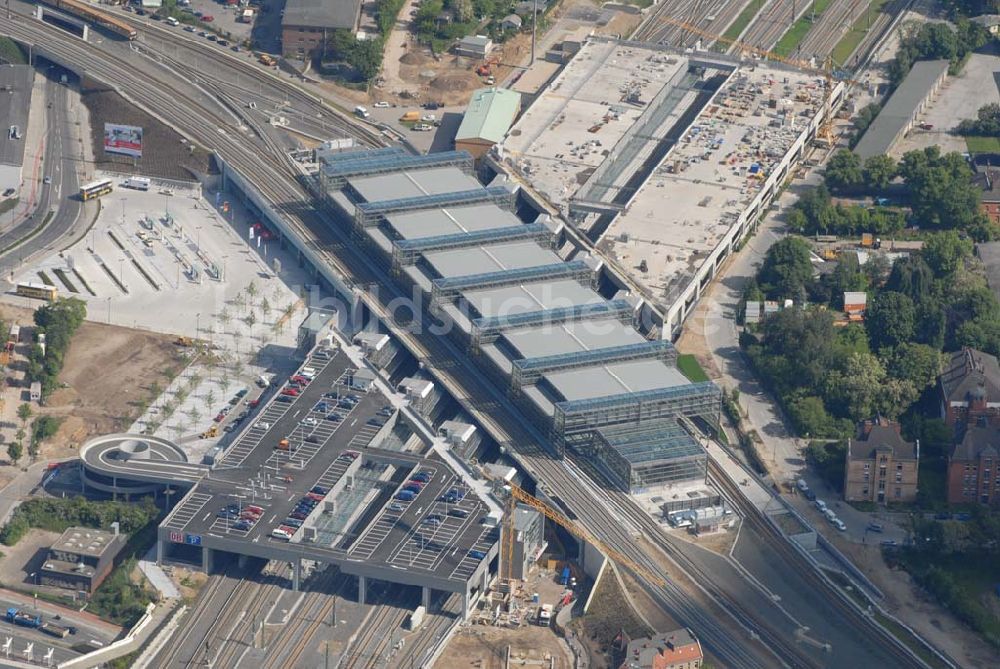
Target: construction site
point(627, 127)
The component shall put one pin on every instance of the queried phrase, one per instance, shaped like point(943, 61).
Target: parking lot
point(297, 452)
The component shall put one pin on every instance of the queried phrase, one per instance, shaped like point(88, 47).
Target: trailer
point(52, 629)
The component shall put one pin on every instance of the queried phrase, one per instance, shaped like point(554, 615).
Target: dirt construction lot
point(110, 374)
point(484, 647)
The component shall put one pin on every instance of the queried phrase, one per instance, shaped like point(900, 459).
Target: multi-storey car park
point(345, 448)
point(666, 160)
point(530, 307)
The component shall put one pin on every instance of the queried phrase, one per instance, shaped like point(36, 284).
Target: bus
point(39, 291)
point(95, 16)
point(95, 189)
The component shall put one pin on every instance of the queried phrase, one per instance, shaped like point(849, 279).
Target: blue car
point(243, 525)
point(479, 555)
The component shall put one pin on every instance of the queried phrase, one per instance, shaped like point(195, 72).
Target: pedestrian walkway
point(157, 577)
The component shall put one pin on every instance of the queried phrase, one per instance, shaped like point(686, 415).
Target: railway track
point(172, 656)
point(313, 612)
point(278, 183)
point(713, 16)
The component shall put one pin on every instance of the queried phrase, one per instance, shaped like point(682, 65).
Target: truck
point(22, 618)
point(545, 615)
point(138, 183)
point(52, 629)
point(416, 618)
point(410, 117)
point(247, 16)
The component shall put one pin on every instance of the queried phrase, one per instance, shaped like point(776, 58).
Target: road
point(609, 514)
point(61, 161)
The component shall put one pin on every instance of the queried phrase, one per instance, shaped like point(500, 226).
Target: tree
point(862, 390)
point(24, 412)
point(879, 172)
point(918, 364)
point(265, 307)
point(810, 417)
point(942, 193)
point(986, 123)
point(14, 451)
point(890, 320)
point(463, 10)
point(843, 172)
point(911, 276)
point(787, 269)
point(845, 277)
point(866, 115)
point(945, 251)
point(210, 398)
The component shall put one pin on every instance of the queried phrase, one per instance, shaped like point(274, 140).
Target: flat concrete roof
point(616, 379)
point(530, 297)
point(709, 178)
point(433, 222)
point(569, 130)
point(492, 258)
point(15, 83)
point(85, 541)
point(569, 338)
point(330, 14)
point(413, 183)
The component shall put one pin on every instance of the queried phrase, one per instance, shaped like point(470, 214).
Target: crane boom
point(580, 532)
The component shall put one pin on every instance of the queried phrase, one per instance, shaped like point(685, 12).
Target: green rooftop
point(490, 113)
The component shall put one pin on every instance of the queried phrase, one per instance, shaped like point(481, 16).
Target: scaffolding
point(530, 370)
point(334, 176)
point(575, 423)
point(406, 251)
point(487, 329)
point(341, 157)
point(448, 288)
point(368, 214)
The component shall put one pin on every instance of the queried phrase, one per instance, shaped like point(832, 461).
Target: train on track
point(93, 15)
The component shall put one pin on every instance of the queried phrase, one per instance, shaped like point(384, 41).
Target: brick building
point(988, 179)
point(973, 465)
point(307, 25)
point(970, 389)
point(881, 466)
point(679, 649)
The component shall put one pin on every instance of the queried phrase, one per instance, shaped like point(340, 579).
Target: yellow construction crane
point(517, 494)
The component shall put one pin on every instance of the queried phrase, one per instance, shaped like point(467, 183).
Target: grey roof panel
point(570, 337)
point(481, 259)
point(898, 111)
point(321, 13)
point(531, 297)
point(413, 183)
point(603, 381)
point(432, 222)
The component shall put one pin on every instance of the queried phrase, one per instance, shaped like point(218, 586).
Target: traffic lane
point(20, 638)
point(812, 609)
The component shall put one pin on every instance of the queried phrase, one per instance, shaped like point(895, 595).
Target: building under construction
point(530, 308)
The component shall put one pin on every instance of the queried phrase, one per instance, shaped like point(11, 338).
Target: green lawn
point(690, 368)
point(983, 144)
point(794, 36)
point(742, 21)
point(849, 42)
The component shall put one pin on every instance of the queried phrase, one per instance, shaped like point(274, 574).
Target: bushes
point(58, 514)
point(59, 321)
point(118, 599)
point(828, 460)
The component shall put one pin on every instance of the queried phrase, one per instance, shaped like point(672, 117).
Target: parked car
point(381, 104)
point(423, 127)
point(207, 18)
point(839, 524)
point(458, 513)
point(395, 506)
point(319, 490)
point(875, 527)
point(479, 555)
point(310, 421)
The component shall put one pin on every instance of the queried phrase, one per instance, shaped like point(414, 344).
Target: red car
point(314, 496)
point(208, 18)
point(220, 417)
point(253, 403)
point(291, 392)
point(301, 380)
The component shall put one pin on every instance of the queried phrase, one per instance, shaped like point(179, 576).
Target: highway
point(61, 161)
point(610, 515)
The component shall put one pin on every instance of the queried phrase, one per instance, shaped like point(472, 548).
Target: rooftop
point(433, 222)
point(652, 442)
point(412, 183)
point(84, 541)
point(978, 440)
point(898, 110)
point(330, 14)
point(989, 253)
point(489, 114)
point(536, 342)
point(677, 648)
point(878, 434)
point(615, 379)
point(970, 372)
point(711, 177)
point(491, 258)
point(573, 125)
point(530, 297)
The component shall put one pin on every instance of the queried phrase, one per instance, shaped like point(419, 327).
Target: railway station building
point(531, 308)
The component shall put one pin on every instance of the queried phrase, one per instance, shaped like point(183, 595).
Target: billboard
point(126, 139)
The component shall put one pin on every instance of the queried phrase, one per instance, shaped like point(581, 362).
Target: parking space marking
point(186, 511)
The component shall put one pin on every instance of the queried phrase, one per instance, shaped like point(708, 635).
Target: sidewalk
point(34, 154)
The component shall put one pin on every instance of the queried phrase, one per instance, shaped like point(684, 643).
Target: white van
point(830, 515)
point(362, 112)
point(171, 21)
